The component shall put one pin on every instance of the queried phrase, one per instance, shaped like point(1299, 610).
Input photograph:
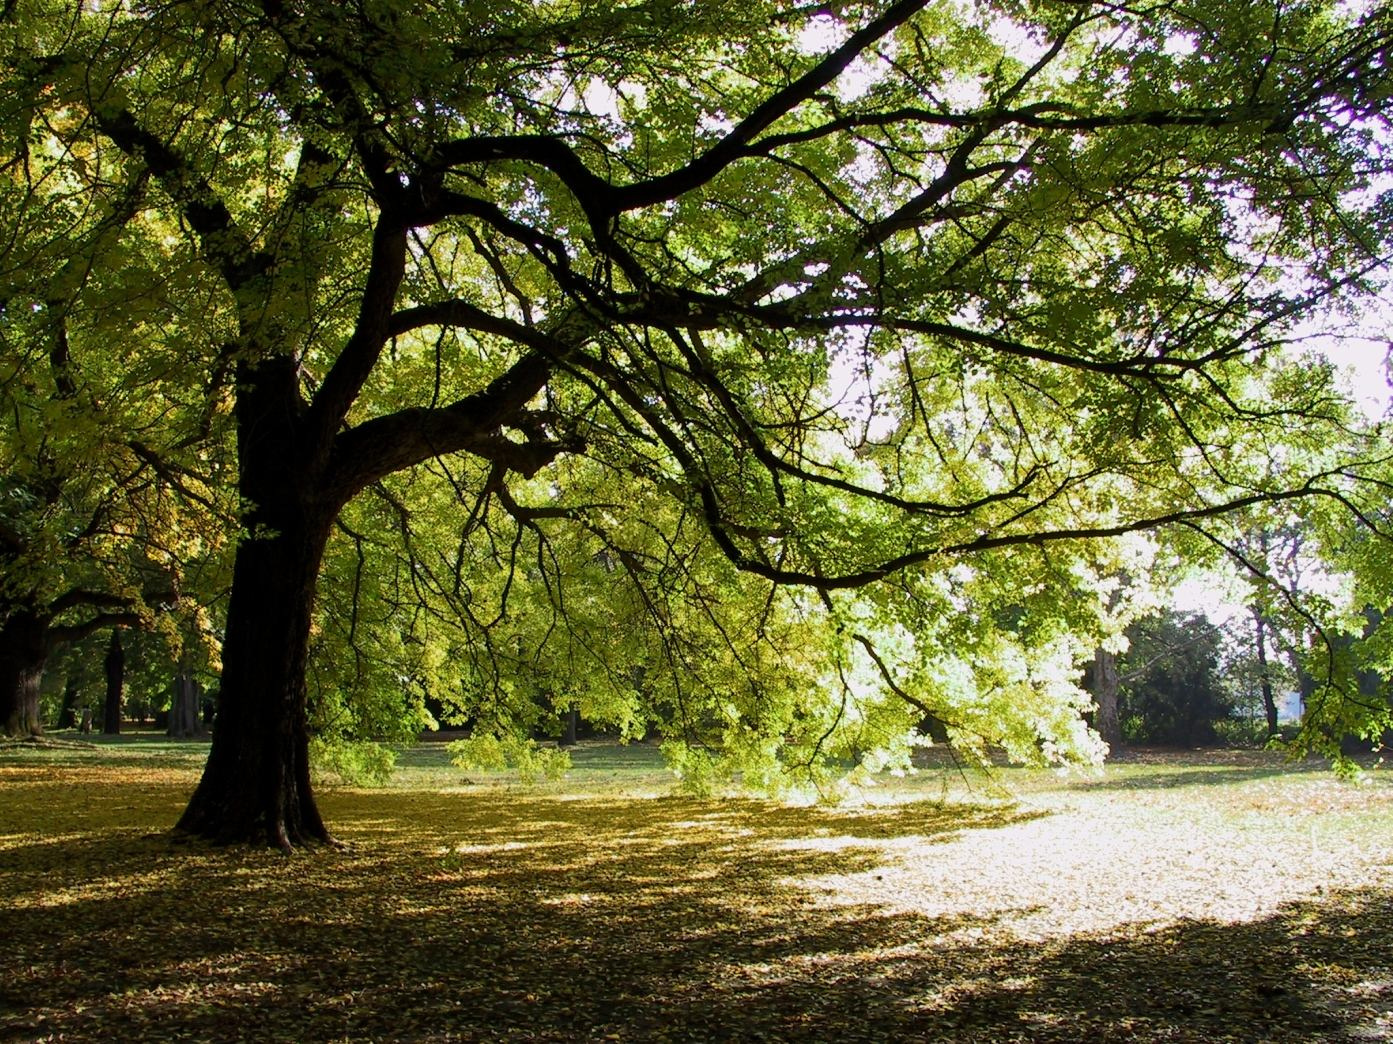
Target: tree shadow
point(1203, 777)
point(560, 920)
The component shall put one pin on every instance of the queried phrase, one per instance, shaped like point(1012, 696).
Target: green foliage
point(700, 773)
point(1171, 689)
point(355, 763)
point(666, 364)
point(1250, 733)
point(488, 752)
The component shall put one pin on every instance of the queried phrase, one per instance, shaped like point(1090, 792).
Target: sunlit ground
point(1181, 897)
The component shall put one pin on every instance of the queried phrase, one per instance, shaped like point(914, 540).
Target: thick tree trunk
point(23, 653)
point(256, 783)
point(570, 722)
point(115, 665)
point(186, 707)
point(1105, 685)
point(67, 716)
point(1269, 702)
point(934, 727)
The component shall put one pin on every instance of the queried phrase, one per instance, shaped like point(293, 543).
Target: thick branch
point(781, 103)
point(602, 201)
point(78, 596)
point(400, 440)
point(360, 353)
point(224, 244)
point(76, 632)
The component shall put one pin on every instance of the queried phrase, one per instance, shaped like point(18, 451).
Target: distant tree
point(1171, 690)
point(1275, 558)
point(185, 706)
point(68, 710)
point(115, 668)
point(1105, 682)
point(96, 454)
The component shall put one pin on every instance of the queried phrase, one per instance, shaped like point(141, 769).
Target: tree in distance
point(887, 307)
point(106, 484)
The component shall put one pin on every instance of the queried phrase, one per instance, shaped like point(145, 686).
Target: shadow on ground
point(1203, 777)
point(549, 919)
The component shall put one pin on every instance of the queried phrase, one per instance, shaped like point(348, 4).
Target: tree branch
point(387, 444)
point(223, 243)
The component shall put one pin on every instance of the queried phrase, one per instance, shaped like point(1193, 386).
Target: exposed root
point(43, 743)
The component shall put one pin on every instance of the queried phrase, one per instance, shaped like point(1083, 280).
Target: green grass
point(1195, 896)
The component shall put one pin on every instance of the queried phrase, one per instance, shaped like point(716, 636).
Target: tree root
point(43, 743)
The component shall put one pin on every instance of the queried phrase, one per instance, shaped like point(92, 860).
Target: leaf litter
point(1189, 897)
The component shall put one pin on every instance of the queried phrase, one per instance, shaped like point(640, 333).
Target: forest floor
point(1204, 896)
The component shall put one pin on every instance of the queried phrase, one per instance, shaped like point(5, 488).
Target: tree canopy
point(845, 340)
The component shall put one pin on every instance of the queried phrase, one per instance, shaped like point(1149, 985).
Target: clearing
point(1203, 896)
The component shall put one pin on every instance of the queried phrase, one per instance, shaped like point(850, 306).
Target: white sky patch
point(1212, 594)
point(856, 388)
point(717, 124)
point(1017, 41)
point(1180, 45)
point(822, 35)
point(601, 99)
point(1364, 363)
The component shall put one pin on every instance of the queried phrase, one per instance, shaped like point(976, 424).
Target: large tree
point(106, 438)
point(91, 529)
point(897, 296)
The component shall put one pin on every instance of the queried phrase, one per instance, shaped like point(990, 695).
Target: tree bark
point(67, 716)
point(1269, 702)
point(115, 665)
point(1105, 685)
point(186, 707)
point(570, 722)
point(256, 783)
point(24, 649)
point(934, 727)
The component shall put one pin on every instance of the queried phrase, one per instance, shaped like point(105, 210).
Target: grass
point(1203, 897)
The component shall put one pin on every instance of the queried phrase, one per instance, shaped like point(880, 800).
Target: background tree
point(103, 442)
point(1275, 557)
point(114, 667)
point(888, 296)
point(1171, 689)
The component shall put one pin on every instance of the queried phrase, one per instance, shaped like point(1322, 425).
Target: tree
point(887, 295)
point(1348, 655)
point(1106, 684)
point(94, 460)
point(1273, 555)
point(68, 713)
point(1170, 682)
point(185, 707)
point(115, 668)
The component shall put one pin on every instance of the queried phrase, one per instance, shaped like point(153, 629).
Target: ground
point(1191, 897)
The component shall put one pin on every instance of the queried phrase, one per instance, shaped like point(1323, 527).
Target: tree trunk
point(1269, 703)
point(570, 722)
point(115, 665)
point(934, 727)
point(23, 654)
point(67, 716)
point(256, 783)
point(1105, 685)
point(186, 707)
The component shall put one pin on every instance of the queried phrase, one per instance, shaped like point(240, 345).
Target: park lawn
point(1201, 897)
